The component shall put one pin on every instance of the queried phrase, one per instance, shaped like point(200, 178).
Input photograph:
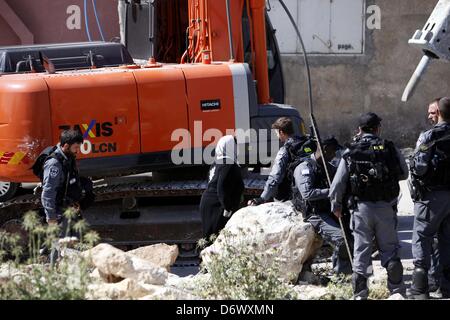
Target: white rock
point(189, 283)
point(168, 293)
point(9, 272)
point(126, 289)
point(311, 292)
point(112, 261)
point(379, 275)
point(98, 276)
point(396, 296)
point(281, 228)
point(160, 254)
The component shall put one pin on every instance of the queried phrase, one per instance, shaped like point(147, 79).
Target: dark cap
point(330, 141)
point(369, 120)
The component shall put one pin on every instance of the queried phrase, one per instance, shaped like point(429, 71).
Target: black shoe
point(415, 295)
point(436, 294)
point(419, 286)
point(359, 285)
point(433, 288)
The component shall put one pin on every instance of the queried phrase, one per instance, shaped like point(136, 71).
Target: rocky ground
point(273, 232)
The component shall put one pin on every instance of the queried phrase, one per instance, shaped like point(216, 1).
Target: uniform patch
point(305, 172)
point(54, 172)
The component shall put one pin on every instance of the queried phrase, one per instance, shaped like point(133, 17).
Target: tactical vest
point(374, 169)
point(308, 208)
point(70, 191)
point(438, 173)
point(297, 149)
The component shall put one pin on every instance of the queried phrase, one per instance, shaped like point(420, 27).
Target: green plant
point(340, 288)
point(68, 278)
point(241, 272)
point(379, 290)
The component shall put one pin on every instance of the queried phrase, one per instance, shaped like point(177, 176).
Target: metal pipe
point(230, 33)
point(415, 78)
point(151, 31)
point(258, 11)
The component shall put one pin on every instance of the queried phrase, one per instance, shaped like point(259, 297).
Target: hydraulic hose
point(86, 21)
point(94, 5)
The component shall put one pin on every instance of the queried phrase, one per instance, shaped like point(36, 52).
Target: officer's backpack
point(38, 166)
point(374, 170)
point(297, 150)
point(439, 167)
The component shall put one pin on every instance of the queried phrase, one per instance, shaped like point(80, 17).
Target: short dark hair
point(284, 124)
point(444, 108)
point(331, 141)
point(369, 122)
point(70, 137)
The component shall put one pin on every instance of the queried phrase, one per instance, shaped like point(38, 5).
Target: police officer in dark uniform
point(62, 187)
point(278, 184)
point(310, 197)
point(430, 190)
point(370, 171)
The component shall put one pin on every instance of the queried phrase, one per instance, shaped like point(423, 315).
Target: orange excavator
point(214, 62)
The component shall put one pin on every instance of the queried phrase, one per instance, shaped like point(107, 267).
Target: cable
point(94, 5)
point(86, 21)
point(311, 111)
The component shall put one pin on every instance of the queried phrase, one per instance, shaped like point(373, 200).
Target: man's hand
point(338, 213)
point(227, 213)
point(255, 202)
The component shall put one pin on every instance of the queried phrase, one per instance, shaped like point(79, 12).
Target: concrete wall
point(46, 20)
point(345, 87)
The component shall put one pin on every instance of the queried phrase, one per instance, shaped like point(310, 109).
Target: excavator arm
point(433, 40)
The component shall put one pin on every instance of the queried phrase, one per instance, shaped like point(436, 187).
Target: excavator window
point(157, 29)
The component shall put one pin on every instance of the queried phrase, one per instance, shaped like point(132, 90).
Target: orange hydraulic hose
point(189, 32)
point(197, 30)
point(252, 45)
point(200, 42)
point(259, 32)
point(203, 44)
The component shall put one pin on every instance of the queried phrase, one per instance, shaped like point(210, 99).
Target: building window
point(326, 26)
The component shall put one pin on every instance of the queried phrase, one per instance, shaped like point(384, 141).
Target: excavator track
point(253, 187)
point(162, 211)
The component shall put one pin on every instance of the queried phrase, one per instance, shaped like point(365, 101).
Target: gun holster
point(415, 189)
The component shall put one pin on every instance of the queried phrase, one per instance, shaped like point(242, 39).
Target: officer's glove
point(37, 191)
point(227, 213)
point(256, 201)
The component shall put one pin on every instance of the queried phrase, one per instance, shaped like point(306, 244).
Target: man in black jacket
point(430, 171)
point(278, 184)
point(310, 197)
point(371, 169)
point(62, 187)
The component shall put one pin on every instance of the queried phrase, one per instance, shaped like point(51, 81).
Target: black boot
point(360, 289)
point(419, 286)
point(395, 277)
